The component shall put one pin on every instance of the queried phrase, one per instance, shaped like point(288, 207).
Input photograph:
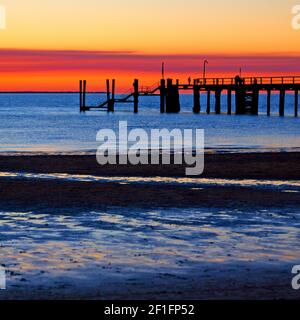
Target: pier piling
point(229, 107)
point(172, 100)
point(80, 96)
point(136, 95)
point(218, 101)
point(255, 101)
point(197, 106)
point(162, 90)
point(84, 96)
point(269, 102)
point(208, 103)
point(108, 95)
point(281, 102)
point(240, 101)
point(111, 105)
point(296, 102)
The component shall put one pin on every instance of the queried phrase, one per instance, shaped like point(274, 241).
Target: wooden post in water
point(136, 95)
point(111, 104)
point(269, 102)
point(281, 102)
point(108, 95)
point(208, 103)
point(296, 102)
point(229, 102)
point(218, 101)
point(197, 107)
point(162, 90)
point(84, 95)
point(80, 95)
point(169, 96)
point(176, 98)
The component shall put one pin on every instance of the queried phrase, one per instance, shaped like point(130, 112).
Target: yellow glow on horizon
point(170, 26)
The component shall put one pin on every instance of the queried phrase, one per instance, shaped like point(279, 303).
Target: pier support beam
point(162, 90)
point(296, 102)
point(136, 95)
point(197, 106)
point(269, 102)
point(229, 106)
point(218, 101)
point(281, 102)
point(208, 103)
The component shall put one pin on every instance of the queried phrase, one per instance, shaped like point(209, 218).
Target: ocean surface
point(51, 123)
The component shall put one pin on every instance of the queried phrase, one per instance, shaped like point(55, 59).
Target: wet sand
point(284, 165)
point(16, 193)
point(88, 272)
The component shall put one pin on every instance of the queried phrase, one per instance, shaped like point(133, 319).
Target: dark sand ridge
point(43, 194)
point(231, 166)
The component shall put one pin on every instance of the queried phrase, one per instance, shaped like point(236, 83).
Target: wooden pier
point(246, 91)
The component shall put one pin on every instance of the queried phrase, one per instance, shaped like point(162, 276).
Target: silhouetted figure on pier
point(238, 80)
point(189, 81)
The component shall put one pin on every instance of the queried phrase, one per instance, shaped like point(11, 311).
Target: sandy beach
point(154, 234)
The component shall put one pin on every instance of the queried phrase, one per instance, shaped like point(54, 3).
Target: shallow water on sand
point(283, 185)
point(42, 247)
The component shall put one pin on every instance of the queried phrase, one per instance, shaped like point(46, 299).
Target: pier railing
point(250, 80)
point(149, 89)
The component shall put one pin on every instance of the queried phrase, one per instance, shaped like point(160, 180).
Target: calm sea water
point(52, 123)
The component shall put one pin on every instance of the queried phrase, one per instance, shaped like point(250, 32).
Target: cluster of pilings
point(169, 96)
point(247, 92)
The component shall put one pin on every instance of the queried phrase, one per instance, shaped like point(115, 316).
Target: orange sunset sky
point(51, 44)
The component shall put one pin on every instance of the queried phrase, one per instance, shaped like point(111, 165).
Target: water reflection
point(49, 245)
